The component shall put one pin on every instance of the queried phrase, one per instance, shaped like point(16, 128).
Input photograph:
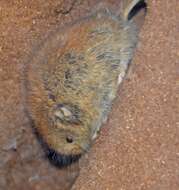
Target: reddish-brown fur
point(74, 78)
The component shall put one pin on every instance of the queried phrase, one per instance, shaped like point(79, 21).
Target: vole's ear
point(129, 8)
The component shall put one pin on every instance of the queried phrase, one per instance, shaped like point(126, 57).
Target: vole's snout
point(61, 160)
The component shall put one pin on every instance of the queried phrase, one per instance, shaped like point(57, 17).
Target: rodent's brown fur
point(73, 78)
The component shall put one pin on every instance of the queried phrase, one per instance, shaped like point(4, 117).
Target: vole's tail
point(127, 7)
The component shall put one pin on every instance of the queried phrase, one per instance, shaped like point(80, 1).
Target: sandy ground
point(138, 147)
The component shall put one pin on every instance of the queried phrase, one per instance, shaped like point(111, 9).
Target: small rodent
point(74, 76)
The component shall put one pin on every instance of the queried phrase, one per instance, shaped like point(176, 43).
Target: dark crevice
point(139, 6)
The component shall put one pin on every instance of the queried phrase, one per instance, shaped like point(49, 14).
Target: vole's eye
point(69, 139)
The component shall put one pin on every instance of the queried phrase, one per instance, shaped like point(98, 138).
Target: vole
point(73, 78)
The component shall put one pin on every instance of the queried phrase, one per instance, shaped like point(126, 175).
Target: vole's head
point(68, 136)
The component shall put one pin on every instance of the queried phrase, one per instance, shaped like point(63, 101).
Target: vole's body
point(74, 76)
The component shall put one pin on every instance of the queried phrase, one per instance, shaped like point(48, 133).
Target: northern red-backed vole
point(73, 78)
